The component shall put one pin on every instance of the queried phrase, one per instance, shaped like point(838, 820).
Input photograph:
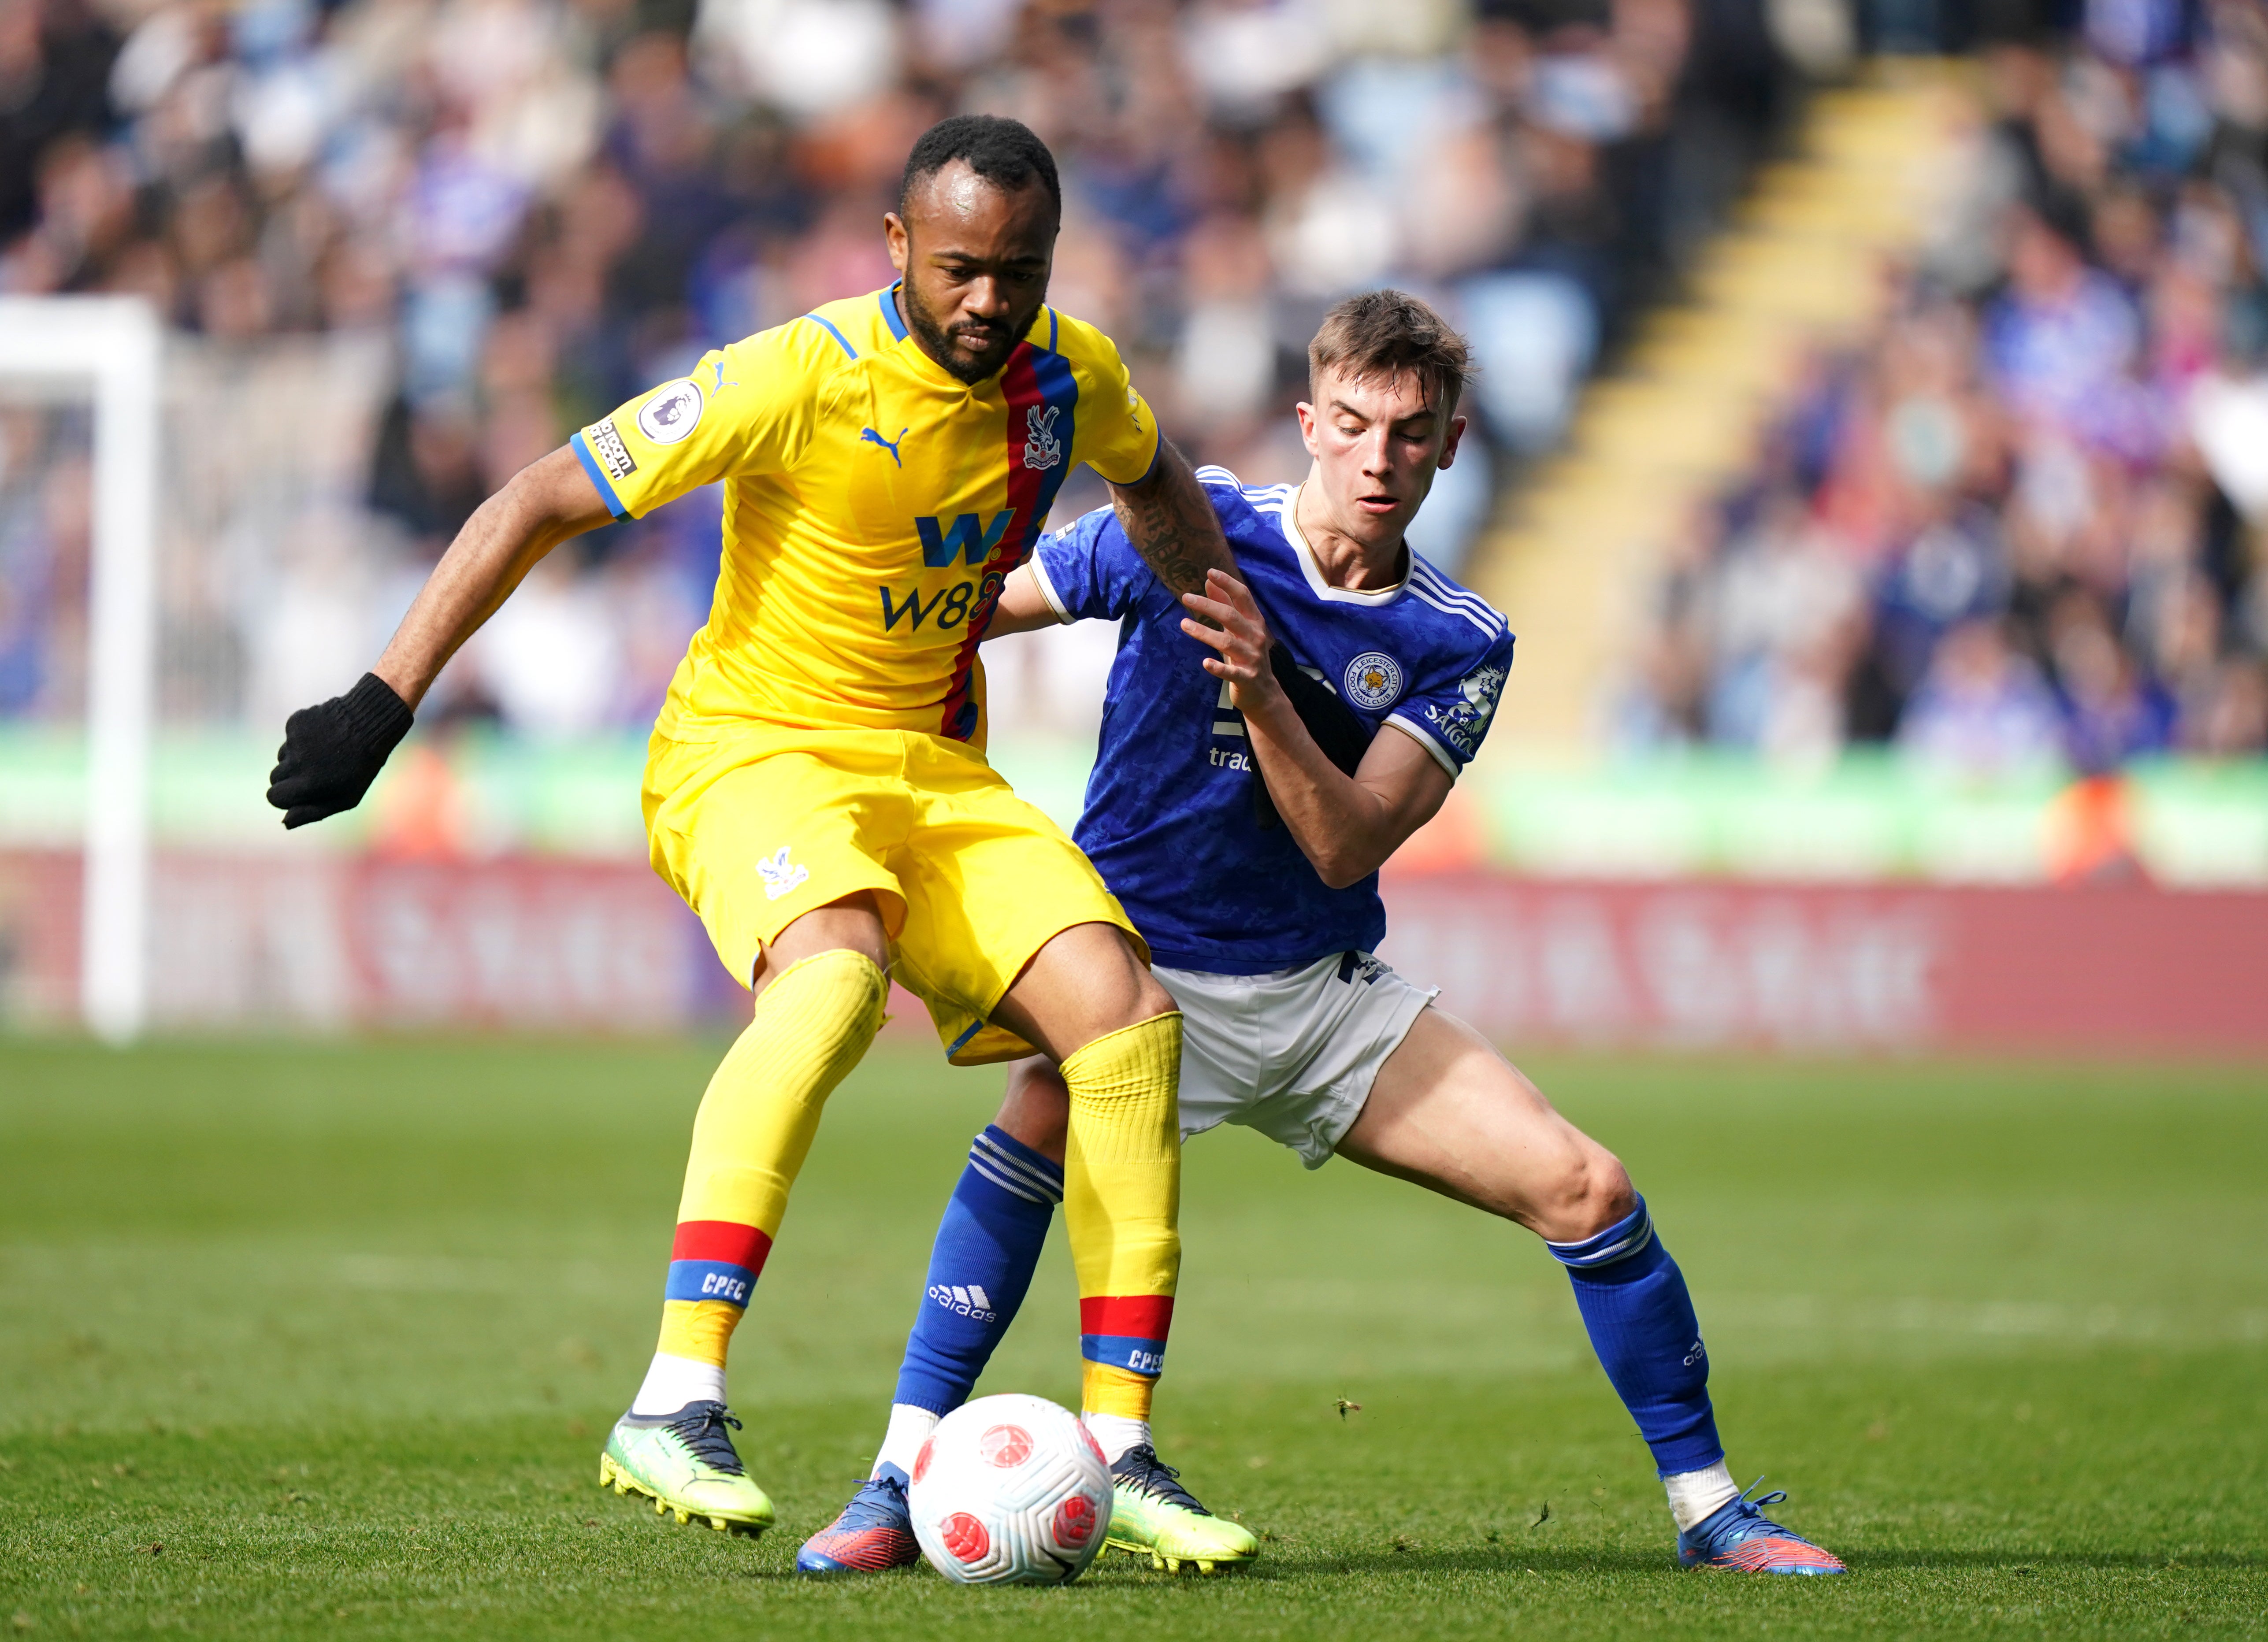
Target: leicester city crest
point(1373, 679)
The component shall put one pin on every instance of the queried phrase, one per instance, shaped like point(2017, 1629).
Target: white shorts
point(1291, 1054)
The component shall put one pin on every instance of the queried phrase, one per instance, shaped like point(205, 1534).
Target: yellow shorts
point(761, 826)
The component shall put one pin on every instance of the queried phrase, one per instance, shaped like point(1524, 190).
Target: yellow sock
point(1103, 1389)
point(1122, 1206)
point(755, 1128)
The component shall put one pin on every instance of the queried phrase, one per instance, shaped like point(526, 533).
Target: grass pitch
point(313, 1340)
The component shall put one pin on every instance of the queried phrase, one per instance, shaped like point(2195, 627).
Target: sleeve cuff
point(1156, 455)
point(1048, 589)
point(1425, 738)
point(373, 712)
point(598, 476)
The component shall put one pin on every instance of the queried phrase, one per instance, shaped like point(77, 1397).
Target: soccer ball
point(1010, 1490)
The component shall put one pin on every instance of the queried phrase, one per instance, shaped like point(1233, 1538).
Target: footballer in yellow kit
point(825, 733)
point(816, 787)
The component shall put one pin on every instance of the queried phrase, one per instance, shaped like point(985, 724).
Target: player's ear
point(1449, 445)
point(1306, 413)
point(894, 233)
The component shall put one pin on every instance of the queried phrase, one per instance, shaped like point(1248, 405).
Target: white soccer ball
point(1010, 1490)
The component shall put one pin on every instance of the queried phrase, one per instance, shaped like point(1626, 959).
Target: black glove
point(332, 753)
point(1343, 734)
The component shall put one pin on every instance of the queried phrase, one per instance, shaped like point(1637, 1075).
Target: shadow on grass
point(1571, 1560)
point(2029, 1562)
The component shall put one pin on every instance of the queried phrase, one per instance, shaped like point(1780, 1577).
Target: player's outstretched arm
point(1346, 825)
point(1171, 523)
point(1023, 607)
point(333, 751)
point(543, 505)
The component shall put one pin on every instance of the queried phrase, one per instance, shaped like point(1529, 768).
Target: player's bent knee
point(1135, 994)
point(1594, 1192)
point(839, 995)
point(1151, 1000)
point(1036, 1107)
point(852, 924)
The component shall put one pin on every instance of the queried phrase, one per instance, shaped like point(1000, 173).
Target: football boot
point(874, 1532)
point(1153, 1515)
point(685, 1463)
point(1740, 1536)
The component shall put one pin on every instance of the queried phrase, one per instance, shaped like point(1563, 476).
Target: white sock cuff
point(909, 1428)
point(672, 1382)
point(1696, 1496)
point(1115, 1433)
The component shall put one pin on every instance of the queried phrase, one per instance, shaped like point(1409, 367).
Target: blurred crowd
point(542, 206)
point(2019, 526)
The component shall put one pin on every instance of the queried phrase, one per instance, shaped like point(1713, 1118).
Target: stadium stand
point(1829, 578)
point(2013, 521)
point(414, 241)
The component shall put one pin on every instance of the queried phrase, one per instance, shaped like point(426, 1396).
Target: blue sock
point(1633, 1300)
point(988, 1246)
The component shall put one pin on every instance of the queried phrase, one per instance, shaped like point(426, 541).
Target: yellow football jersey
point(873, 505)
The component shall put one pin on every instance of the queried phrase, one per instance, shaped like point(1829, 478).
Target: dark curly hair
point(1004, 152)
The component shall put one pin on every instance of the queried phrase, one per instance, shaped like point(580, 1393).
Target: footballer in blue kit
point(1266, 746)
point(1169, 818)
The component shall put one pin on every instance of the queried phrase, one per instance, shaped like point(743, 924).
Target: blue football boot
point(1740, 1536)
point(874, 1533)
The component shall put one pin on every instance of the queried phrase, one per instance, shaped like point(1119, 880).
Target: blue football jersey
point(1168, 818)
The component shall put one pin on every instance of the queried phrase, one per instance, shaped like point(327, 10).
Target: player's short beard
point(937, 341)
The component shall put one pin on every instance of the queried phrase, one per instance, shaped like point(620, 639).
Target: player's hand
point(1234, 627)
point(333, 751)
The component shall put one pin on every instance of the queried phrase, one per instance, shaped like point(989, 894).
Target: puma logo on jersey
point(1041, 449)
point(873, 436)
point(780, 875)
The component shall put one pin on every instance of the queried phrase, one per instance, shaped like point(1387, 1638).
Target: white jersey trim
point(1462, 597)
point(1425, 738)
point(1446, 597)
point(1048, 589)
point(1434, 579)
point(1494, 629)
point(1374, 597)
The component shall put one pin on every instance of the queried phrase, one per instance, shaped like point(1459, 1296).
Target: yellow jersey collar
point(1043, 332)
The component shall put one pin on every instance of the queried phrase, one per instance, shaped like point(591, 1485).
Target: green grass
point(312, 1340)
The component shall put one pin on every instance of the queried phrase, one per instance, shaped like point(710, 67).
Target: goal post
point(108, 350)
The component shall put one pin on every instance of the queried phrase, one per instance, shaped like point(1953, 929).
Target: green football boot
point(685, 1463)
point(1153, 1515)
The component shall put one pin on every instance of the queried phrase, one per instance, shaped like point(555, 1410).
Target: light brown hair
point(1385, 333)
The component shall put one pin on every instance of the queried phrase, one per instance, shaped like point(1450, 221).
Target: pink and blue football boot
point(874, 1533)
point(1739, 1537)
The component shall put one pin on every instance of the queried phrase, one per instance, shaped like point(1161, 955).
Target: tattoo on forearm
point(1173, 526)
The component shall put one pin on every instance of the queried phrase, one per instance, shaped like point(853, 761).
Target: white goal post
point(108, 349)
